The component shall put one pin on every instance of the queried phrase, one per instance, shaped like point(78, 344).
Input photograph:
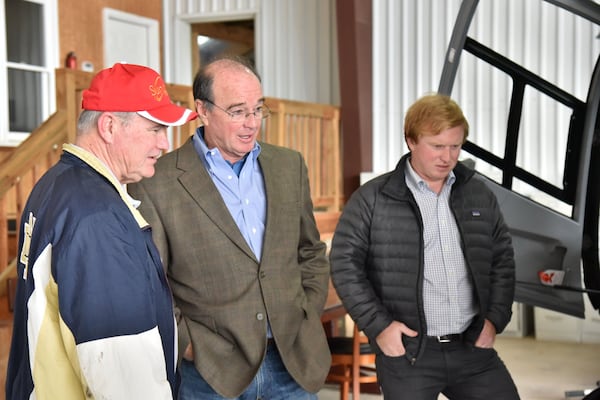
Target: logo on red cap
point(157, 90)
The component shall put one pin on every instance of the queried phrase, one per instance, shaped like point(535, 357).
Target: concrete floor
point(542, 370)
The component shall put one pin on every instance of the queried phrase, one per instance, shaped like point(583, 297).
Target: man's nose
point(446, 153)
point(251, 121)
point(163, 140)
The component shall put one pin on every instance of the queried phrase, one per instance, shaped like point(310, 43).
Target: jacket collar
point(396, 182)
point(96, 164)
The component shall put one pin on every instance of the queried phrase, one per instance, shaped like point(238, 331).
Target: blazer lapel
point(273, 190)
point(197, 182)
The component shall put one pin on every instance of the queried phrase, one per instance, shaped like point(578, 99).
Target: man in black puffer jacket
point(424, 264)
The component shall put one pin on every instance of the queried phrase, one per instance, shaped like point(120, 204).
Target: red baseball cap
point(134, 88)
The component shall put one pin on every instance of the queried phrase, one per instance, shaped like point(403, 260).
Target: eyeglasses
point(241, 115)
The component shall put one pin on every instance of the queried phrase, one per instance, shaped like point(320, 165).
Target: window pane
point(543, 115)
point(538, 39)
point(486, 104)
point(24, 29)
point(25, 100)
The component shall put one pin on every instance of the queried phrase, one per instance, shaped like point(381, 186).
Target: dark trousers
point(458, 370)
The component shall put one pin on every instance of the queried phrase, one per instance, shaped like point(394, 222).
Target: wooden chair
point(352, 363)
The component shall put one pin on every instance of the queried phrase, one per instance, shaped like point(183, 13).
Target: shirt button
point(260, 316)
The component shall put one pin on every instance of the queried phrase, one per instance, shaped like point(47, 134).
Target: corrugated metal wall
point(190, 7)
point(409, 45)
point(296, 55)
point(296, 43)
point(409, 42)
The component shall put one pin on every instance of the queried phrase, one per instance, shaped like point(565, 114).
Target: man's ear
point(409, 142)
point(201, 110)
point(107, 126)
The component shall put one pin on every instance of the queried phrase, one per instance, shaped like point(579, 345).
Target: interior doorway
point(213, 39)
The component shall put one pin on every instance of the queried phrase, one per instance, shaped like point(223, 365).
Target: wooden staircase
point(313, 129)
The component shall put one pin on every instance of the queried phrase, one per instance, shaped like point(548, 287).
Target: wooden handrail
point(46, 139)
point(19, 171)
point(314, 130)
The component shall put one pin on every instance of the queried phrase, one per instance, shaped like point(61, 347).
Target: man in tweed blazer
point(234, 224)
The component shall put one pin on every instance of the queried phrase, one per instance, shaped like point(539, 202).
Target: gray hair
point(88, 119)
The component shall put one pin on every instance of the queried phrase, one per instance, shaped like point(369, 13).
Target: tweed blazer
point(222, 293)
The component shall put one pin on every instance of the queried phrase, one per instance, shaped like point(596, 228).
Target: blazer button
point(260, 316)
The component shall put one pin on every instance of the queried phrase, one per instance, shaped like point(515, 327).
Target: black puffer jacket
point(377, 255)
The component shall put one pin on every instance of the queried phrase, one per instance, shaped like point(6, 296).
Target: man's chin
point(148, 173)
point(443, 172)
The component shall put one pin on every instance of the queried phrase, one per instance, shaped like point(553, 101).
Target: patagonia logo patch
point(475, 213)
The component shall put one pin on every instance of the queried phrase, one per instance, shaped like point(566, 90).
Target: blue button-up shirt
point(242, 188)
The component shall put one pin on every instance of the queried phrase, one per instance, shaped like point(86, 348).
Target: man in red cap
point(93, 312)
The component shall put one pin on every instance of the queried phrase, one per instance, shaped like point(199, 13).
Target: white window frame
point(48, 90)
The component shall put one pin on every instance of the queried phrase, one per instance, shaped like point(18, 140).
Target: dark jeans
point(272, 382)
point(457, 370)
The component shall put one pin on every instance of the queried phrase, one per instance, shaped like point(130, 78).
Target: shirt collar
point(208, 154)
point(416, 180)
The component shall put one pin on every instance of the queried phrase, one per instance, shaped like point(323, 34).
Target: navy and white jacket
point(93, 310)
